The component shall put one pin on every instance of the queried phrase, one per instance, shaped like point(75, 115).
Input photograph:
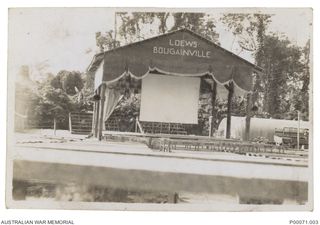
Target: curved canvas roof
point(181, 53)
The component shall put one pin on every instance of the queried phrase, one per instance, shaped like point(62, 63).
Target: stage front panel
point(171, 99)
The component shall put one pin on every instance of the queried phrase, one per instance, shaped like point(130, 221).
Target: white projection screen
point(170, 99)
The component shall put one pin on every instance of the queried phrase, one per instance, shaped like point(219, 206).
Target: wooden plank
point(101, 112)
point(230, 88)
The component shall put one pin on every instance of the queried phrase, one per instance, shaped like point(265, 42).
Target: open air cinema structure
point(169, 68)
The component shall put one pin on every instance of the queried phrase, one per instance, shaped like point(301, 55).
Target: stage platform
point(170, 142)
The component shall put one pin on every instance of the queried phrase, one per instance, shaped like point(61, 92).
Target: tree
point(200, 23)
point(248, 29)
point(132, 25)
point(276, 92)
point(163, 17)
point(298, 86)
point(137, 26)
point(106, 41)
point(283, 70)
point(53, 103)
point(305, 78)
point(56, 97)
point(70, 82)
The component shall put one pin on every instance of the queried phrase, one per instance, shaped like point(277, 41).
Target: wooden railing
point(240, 147)
point(80, 123)
point(163, 128)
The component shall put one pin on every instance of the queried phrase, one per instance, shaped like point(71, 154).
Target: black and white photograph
point(161, 109)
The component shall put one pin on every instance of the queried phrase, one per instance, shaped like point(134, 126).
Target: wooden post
point(96, 125)
point(230, 88)
point(94, 118)
point(101, 111)
point(248, 117)
point(298, 132)
point(210, 126)
point(70, 123)
point(140, 127)
point(136, 124)
point(54, 125)
point(96, 115)
point(213, 104)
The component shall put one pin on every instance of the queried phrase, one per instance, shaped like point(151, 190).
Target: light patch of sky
point(64, 38)
point(294, 23)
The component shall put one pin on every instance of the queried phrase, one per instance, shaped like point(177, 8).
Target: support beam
point(70, 123)
point(298, 132)
point(213, 104)
point(93, 129)
point(248, 117)
point(230, 88)
point(54, 125)
point(96, 119)
point(101, 110)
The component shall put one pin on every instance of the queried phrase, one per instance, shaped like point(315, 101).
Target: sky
point(64, 38)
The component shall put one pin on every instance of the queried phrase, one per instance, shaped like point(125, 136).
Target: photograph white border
point(102, 217)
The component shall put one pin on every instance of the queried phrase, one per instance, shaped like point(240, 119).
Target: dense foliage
point(55, 98)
